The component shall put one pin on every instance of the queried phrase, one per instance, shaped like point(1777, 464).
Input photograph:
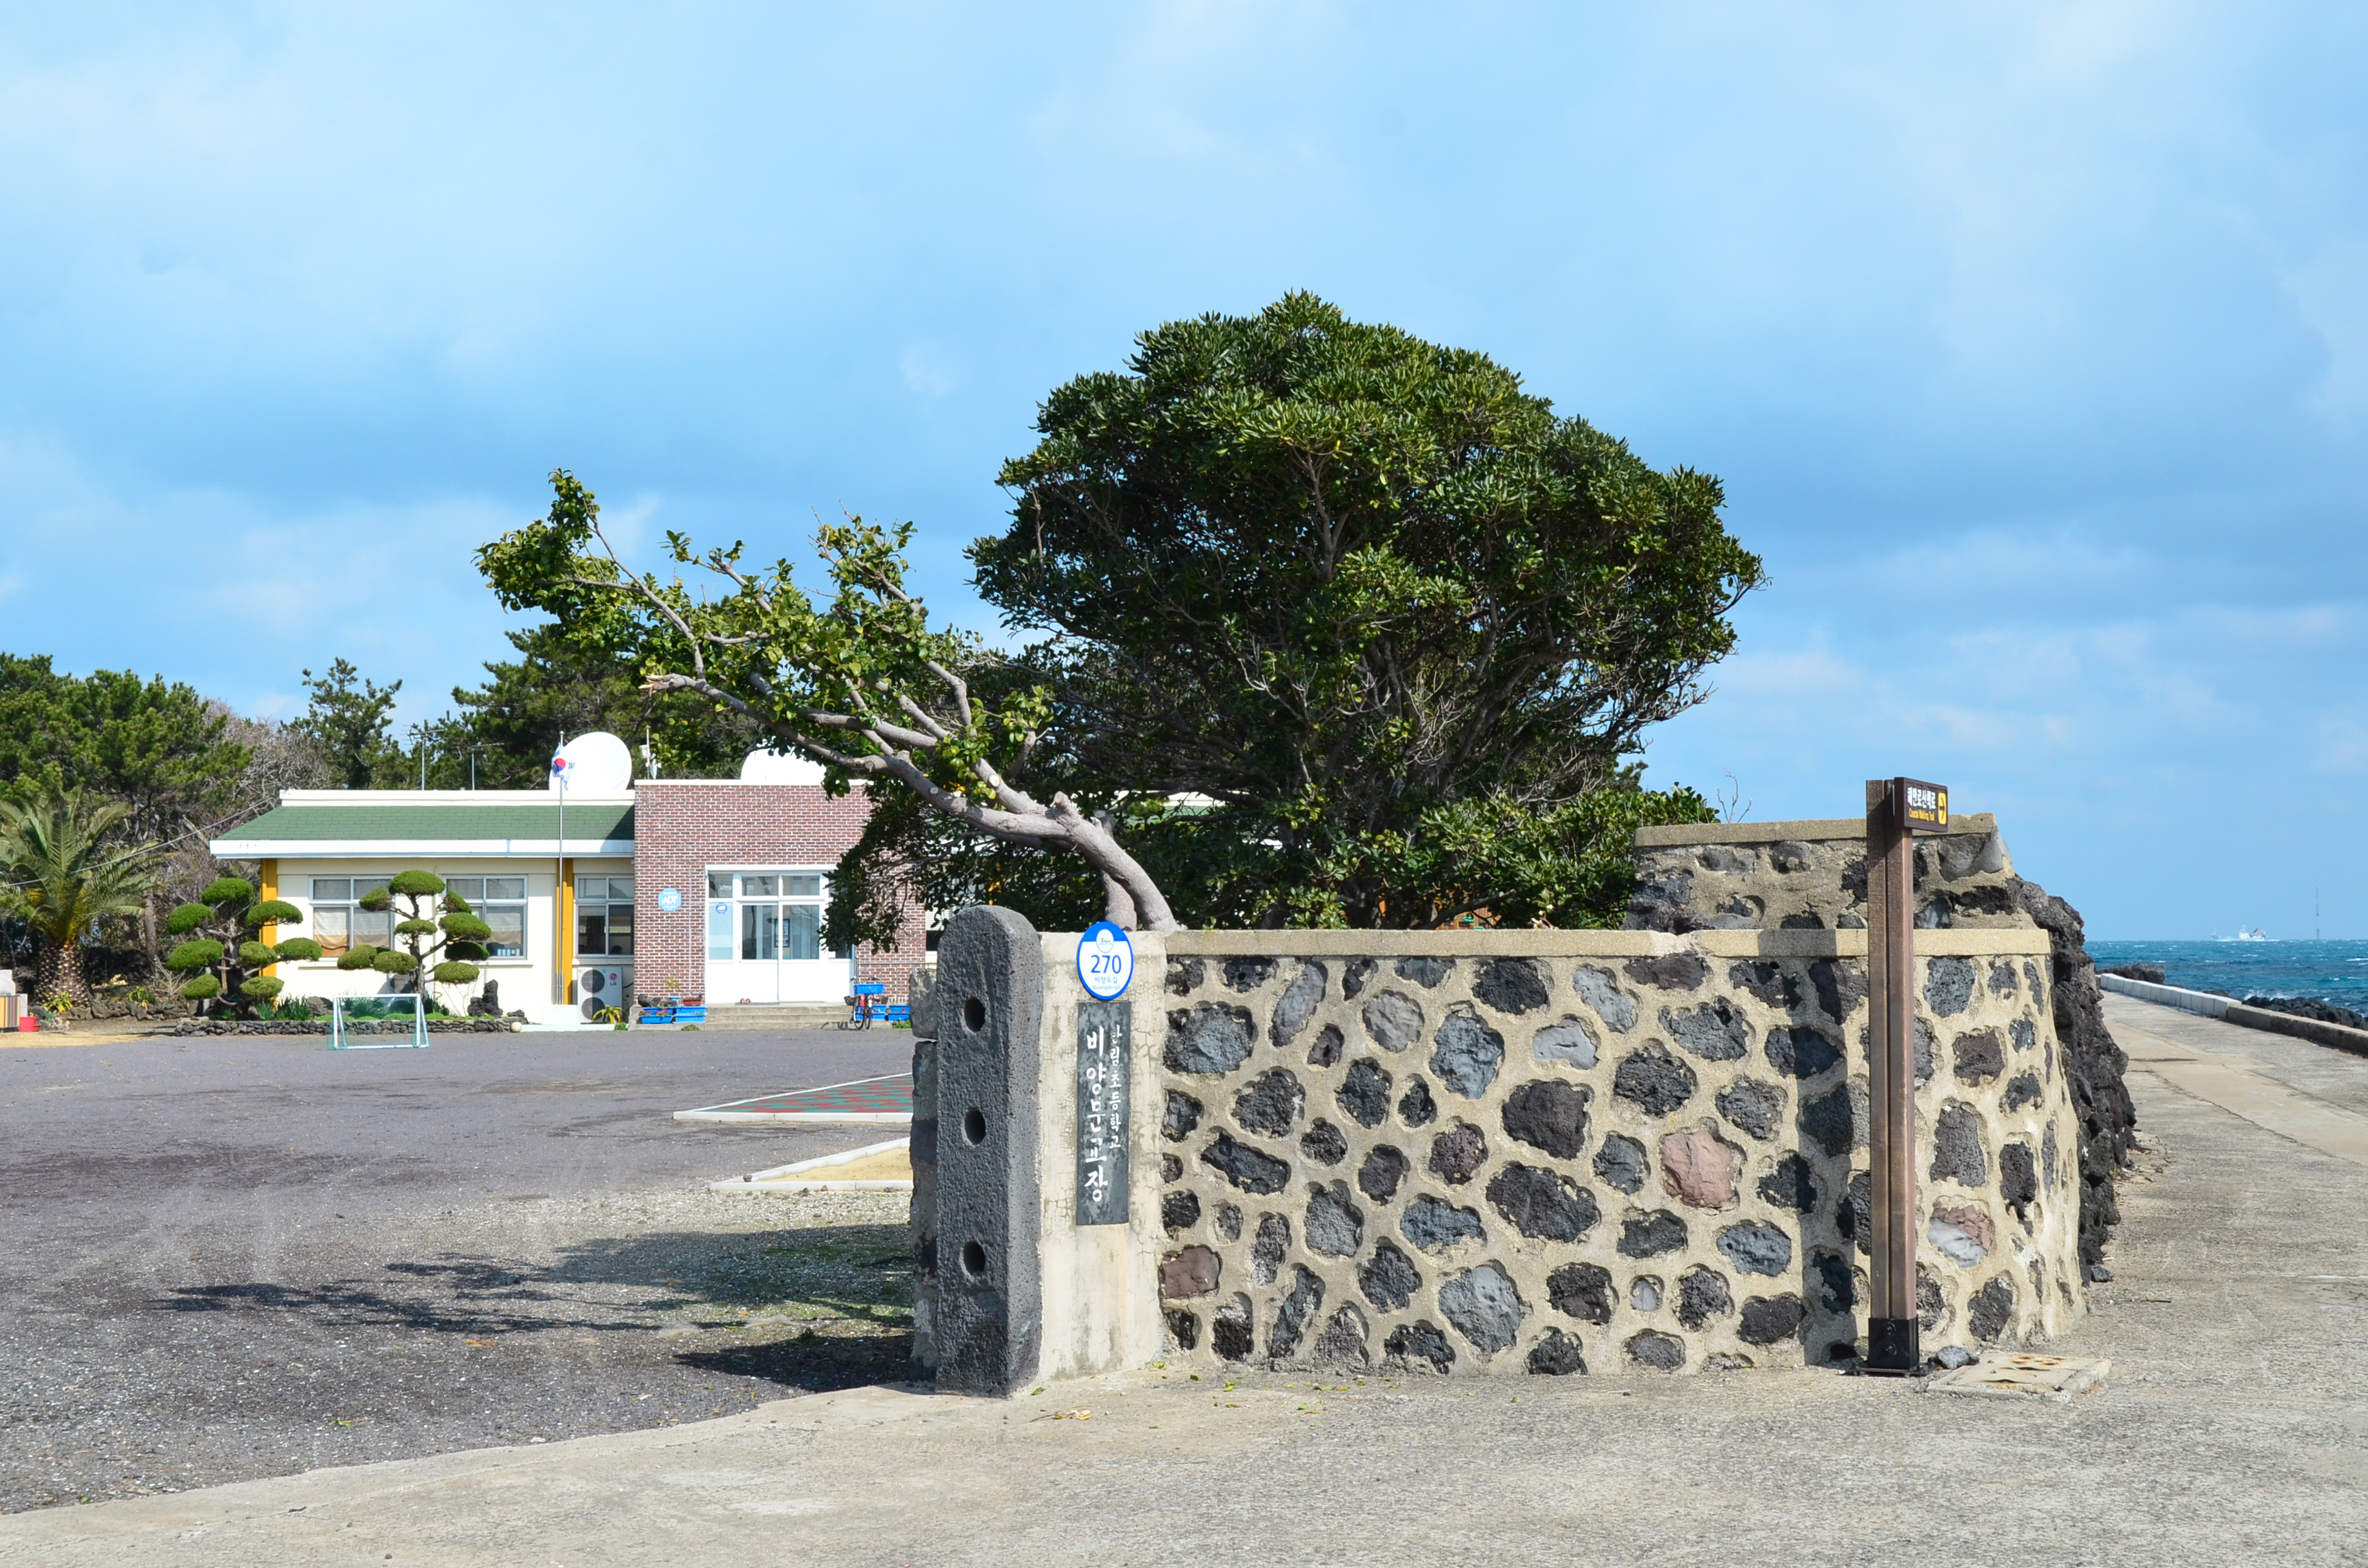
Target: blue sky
point(2032, 347)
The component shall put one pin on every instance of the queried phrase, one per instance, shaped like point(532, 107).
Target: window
point(338, 920)
point(604, 917)
point(765, 916)
point(500, 903)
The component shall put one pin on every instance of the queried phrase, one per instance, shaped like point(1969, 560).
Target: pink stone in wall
point(1961, 1233)
point(1698, 1168)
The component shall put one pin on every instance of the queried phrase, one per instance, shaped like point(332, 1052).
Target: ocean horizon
point(2328, 971)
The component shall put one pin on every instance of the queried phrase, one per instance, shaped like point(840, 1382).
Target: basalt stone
point(1713, 1031)
point(1961, 1233)
point(1800, 1051)
point(2047, 1155)
point(1353, 978)
point(1364, 1093)
point(1415, 1108)
point(1324, 1144)
point(1542, 1205)
point(1802, 920)
point(1768, 982)
point(1556, 1355)
point(1466, 1052)
point(1653, 1080)
point(1756, 1247)
point(1270, 1103)
point(2002, 981)
point(1298, 1309)
point(1325, 1050)
point(1180, 1210)
point(1229, 1333)
point(1791, 1185)
point(1740, 912)
point(1342, 1343)
point(1957, 1148)
point(1828, 1121)
point(1483, 1306)
point(1182, 1116)
point(1699, 1168)
point(2023, 1089)
point(1651, 1234)
point(1570, 1041)
point(2025, 1033)
point(1274, 1240)
point(1770, 1320)
point(1191, 1272)
point(1393, 1019)
point(1548, 1114)
point(1668, 972)
point(2017, 1179)
point(1229, 1221)
point(1599, 990)
point(1247, 974)
point(1512, 985)
point(1383, 1169)
point(1437, 1226)
point(1931, 1306)
point(1701, 1295)
point(1853, 877)
point(1661, 1352)
point(1183, 1328)
point(1991, 1309)
point(1211, 1037)
point(1389, 1279)
point(1836, 1287)
point(1298, 1003)
point(1335, 1227)
point(1949, 985)
point(1978, 1057)
point(1582, 1290)
point(1458, 1153)
point(1252, 1170)
point(1789, 857)
point(1663, 904)
point(1986, 901)
point(2031, 977)
point(1185, 976)
point(1620, 1162)
point(1425, 972)
point(1170, 1168)
point(1757, 1108)
point(1415, 1346)
point(1840, 985)
point(1854, 1214)
point(1729, 862)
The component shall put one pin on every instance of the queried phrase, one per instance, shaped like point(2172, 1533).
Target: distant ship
point(2255, 935)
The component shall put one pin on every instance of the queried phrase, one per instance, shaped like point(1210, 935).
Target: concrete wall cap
point(1961, 942)
point(1785, 831)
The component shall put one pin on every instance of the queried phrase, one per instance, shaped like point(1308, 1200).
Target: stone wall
point(1812, 876)
point(1559, 1151)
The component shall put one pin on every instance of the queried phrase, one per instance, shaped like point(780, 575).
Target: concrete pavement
point(2234, 1430)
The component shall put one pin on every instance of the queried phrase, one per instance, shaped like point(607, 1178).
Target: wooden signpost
point(1896, 809)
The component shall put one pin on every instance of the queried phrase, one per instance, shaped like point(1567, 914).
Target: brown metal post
point(1891, 1057)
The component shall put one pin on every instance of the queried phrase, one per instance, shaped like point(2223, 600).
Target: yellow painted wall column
point(268, 889)
point(565, 947)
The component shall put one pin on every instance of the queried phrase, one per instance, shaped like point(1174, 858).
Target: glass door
point(764, 939)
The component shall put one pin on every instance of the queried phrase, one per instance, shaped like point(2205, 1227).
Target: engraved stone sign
point(1102, 1053)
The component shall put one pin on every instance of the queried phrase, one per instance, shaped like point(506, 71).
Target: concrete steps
point(786, 1016)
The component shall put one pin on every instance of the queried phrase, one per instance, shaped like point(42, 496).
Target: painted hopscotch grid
point(888, 1099)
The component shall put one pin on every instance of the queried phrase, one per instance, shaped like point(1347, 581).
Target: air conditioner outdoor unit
point(598, 988)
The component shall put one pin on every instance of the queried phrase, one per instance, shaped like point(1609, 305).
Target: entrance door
point(764, 939)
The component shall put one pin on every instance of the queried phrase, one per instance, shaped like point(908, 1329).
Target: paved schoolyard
point(232, 1257)
point(2232, 1431)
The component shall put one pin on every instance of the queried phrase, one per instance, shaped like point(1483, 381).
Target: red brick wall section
point(681, 827)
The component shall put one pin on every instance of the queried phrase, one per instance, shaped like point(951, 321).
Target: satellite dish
point(593, 764)
point(778, 767)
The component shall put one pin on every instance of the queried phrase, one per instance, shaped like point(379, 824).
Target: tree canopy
point(1330, 626)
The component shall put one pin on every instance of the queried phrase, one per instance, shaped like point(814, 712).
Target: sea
point(2329, 971)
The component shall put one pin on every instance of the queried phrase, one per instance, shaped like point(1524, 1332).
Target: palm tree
point(62, 874)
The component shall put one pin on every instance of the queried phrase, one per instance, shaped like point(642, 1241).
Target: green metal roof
point(377, 821)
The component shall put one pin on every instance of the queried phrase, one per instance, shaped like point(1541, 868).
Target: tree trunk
point(61, 971)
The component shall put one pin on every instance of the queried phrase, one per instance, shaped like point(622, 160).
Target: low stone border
point(353, 1026)
point(2350, 1040)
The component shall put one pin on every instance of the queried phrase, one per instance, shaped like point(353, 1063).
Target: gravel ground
point(235, 1258)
